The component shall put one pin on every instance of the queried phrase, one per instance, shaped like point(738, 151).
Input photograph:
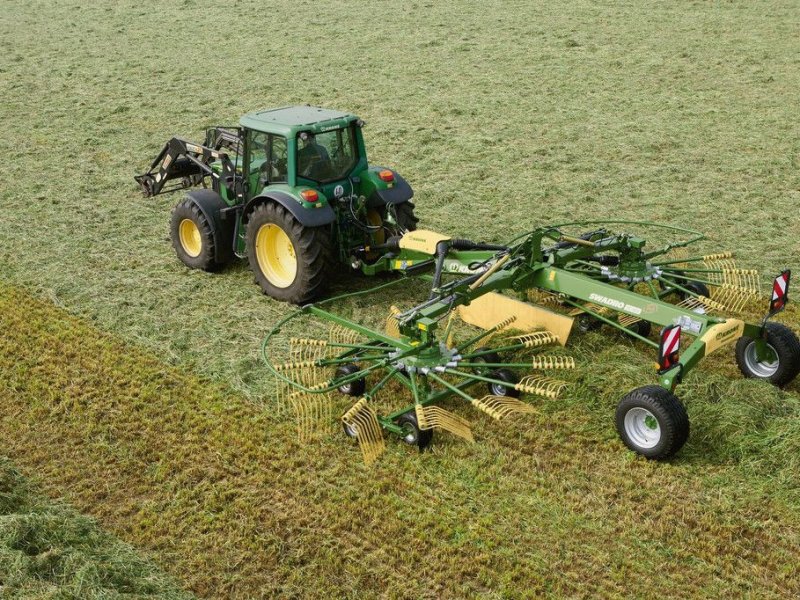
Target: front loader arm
point(186, 163)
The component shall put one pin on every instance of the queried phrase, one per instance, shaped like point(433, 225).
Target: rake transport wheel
point(352, 388)
point(412, 434)
point(780, 362)
point(291, 262)
point(652, 422)
point(192, 236)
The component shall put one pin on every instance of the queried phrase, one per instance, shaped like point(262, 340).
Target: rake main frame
point(599, 276)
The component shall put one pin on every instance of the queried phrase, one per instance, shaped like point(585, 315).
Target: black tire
point(412, 434)
point(353, 388)
point(701, 289)
point(349, 431)
point(643, 328)
point(186, 210)
point(489, 357)
point(312, 252)
point(406, 219)
point(586, 323)
point(502, 390)
point(784, 343)
point(652, 422)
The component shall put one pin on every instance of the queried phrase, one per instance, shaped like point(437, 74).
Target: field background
point(503, 116)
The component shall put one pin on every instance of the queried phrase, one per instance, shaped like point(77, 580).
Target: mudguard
point(308, 217)
point(400, 192)
point(211, 204)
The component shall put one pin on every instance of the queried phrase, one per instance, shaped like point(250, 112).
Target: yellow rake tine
point(536, 339)
point(307, 342)
point(500, 407)
point(543, 298)
point(720, 265)
point(553, 362)
point(628, 320)
point(339, 334)
point(430, 417)
point(717, 256)
point(541, 386)
point(363, 420)
point(691, 303)
point(312, 412)
point(734, 298)
point(746, 279)
point(710, 304)
point(392, 324)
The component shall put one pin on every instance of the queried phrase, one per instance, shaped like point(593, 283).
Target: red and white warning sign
point(780, 292)
point(670, 347)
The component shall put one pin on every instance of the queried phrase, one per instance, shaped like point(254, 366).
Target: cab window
point(268, 157)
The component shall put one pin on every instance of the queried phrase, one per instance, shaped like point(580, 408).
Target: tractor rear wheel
point(192, 236)
point(291, 262)
point(652, 422)
point(406, 219)
point(780, 362)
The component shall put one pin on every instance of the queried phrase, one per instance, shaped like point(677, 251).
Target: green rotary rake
point(492, 331)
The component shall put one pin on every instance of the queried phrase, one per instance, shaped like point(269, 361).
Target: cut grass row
point(47, 550)
point(227, 499)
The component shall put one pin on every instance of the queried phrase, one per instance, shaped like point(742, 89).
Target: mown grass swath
point(231, 502)
point(48, 550)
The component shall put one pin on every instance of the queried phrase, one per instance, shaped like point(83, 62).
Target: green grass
point(232, 504)
point(47, 550)
point(502, 119)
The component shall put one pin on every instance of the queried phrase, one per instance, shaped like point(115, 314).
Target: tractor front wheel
point(652, 422)
point(192, 237)
point(291, 262)
point(777, 361)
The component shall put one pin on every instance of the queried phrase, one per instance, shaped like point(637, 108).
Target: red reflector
point(780, 292)
point(386, 175)
point(309, 195)
point(670, 347)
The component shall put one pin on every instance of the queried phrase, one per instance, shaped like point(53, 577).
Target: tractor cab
point(303, 146)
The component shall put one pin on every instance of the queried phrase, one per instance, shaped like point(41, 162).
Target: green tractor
point(291, 189)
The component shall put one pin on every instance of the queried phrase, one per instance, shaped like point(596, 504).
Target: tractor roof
point(290, 120)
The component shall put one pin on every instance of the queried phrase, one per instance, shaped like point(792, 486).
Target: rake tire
point(489, 357)
point(413, 435)
point(786, 346)
point(312, 248)
point(498, 390)
point(352, 388)
point(654, 404)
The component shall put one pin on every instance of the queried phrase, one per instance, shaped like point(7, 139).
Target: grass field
point(47, 550)
point(502, 118)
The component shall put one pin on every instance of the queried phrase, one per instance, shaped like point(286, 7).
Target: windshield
point(326, 156)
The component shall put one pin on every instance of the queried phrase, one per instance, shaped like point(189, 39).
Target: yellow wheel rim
point(275, 255)
point(191, 240)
